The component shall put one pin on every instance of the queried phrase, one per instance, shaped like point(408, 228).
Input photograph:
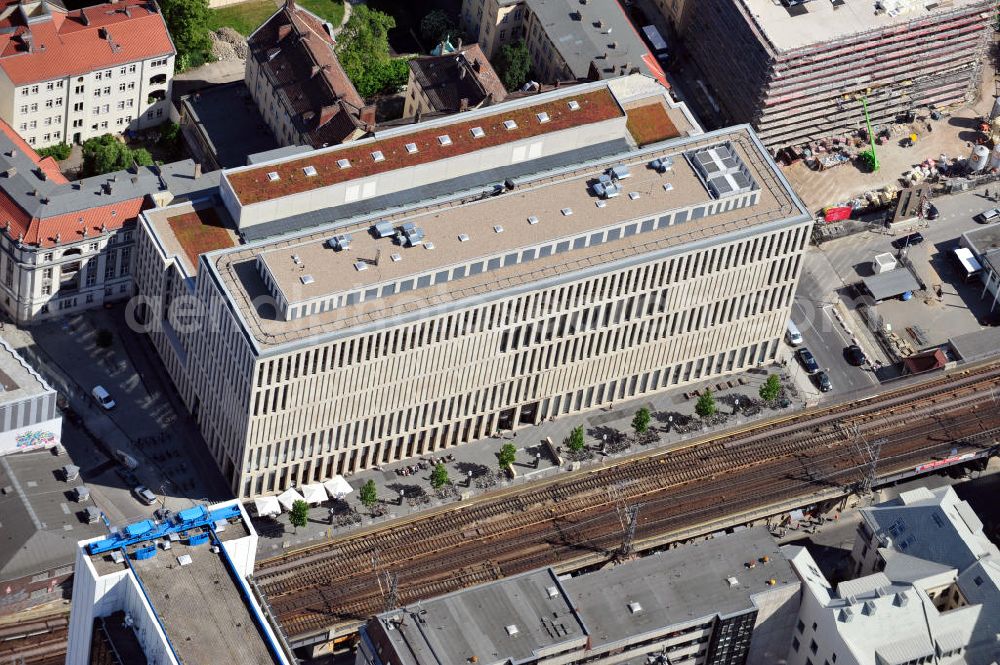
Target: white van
point(792, 334)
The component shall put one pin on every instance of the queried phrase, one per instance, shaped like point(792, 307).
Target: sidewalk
point(473, 467)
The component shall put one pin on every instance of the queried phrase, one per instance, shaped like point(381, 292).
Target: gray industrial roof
point(581, 42)
point(18, 379)
point(891, 284)
point(509, 619)
point(976, 344)
point(680, 586)
point(39, 524)
point(983, 239)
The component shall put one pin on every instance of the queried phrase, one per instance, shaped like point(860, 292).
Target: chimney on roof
point(197, 170)
point(40, 173)
point(84, 18)
point(27, 40)
point(11, 172)
point(58, 237)
point(284, 31)
point(85, 231)
point(12, 153)
point(463, 104)
point(477, 66)
point(461, 70)
point(104, 33)
point(367, 115)
point(316, 69)
point(458, 44)
point(326, 114)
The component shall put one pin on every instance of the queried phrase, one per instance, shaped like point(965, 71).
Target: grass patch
point(328, 10)
point(245, 17)
point(650, 124)
point(199, 232)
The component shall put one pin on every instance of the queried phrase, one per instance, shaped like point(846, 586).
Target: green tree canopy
point(640, 423)
point(106, 153)
point(508, 453)
point(439, 476)
point(436, 27)
point(187, 21)
point(299, 515)
point(59, 151)
point(363, 49)
point(705, 406)
point(368, 494)
point(513, 65)
point(575, 441)
point(771, 388)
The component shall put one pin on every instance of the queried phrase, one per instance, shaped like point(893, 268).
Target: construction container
point(979, 159)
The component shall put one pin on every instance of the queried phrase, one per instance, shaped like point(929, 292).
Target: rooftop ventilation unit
point(412, 234)
point(634, 607)
point(378, 156)
point(272, 176)
point(667, 186)
point(732, 581)
point(511, 630)
point(295, 259)
point(411, 148)
point(573, 105)
point(428, 244)
point(533, 220)
point(306, 279)
point(619, 172)
point(601, 203)
point(395, 258)
point(552, 591)
point(339, 242)
point(662, 165)
point(497, 228)
point(463, 237)
point(566, 212)
point(344, 163)
point(543, 117)
point(509, 125)
point(444, 139)
point(360, 266)
point(477, 132)
point(633, 195)
point(383, 229)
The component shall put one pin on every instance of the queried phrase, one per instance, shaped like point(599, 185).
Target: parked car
point(144, 494)
point(988, 216)
point(808, 361)
point(792, 334)
point(103, 397)
point(823, 381)
point(855, 355)
point(908, 241)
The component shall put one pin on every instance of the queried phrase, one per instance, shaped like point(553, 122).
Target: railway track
point(335, 583)
point(39, 641)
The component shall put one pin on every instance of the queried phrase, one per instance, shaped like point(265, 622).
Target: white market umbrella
point(267, 506)
point(289, 497)
point(314, 493)
point(337, 487)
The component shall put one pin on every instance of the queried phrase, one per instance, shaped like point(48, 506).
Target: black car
point(808, 361)
point(908, 241)
point(855, 355)
point(823, 381)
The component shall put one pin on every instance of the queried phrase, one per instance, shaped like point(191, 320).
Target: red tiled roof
point(116, 33)
point(47, 164)
point(69, 227)
point(253, 186)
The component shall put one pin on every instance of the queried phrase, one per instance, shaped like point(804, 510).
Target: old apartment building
point(413, 281)
point(297, 82)
point(798, 73)
point(459, 79)
point(567, 40)
point(66, 76)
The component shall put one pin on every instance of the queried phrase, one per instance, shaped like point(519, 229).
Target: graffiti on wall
point(34, 439)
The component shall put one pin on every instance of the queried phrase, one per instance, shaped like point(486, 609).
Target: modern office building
point(66, 76)
point(568, 40)
point(465, 272)
point(298, 84)
point(172, 592)
point(929, 590)
point(726, 601)
point(64, 246)
point(797, 71)
point(458, 79)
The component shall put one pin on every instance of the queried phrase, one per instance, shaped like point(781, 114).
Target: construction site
point(810, 71)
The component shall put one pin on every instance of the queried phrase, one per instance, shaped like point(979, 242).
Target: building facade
point(798, 74)
point(568, 41)
point(464, 328)
point(66, 76)
point(298, 84)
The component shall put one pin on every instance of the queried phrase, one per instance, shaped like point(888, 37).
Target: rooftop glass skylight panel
point(428, 244)
point(444, 139)
point(543, 117)
point(344, 163)
point(463, 237)
point(395, 257)
point(272, 176)
point(509, 124)
point(306, 279)
point(497, 228)
point(411, 148)
point(566, 212)
point(309, 171)
point(477, 132)
point(533, 220)
point(573, 105)
point(378, 156)
point(360, 266)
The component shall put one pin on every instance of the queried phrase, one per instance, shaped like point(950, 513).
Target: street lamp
point(736, 406)
point(402, 495)
point(470, 478)
point(670, 423)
